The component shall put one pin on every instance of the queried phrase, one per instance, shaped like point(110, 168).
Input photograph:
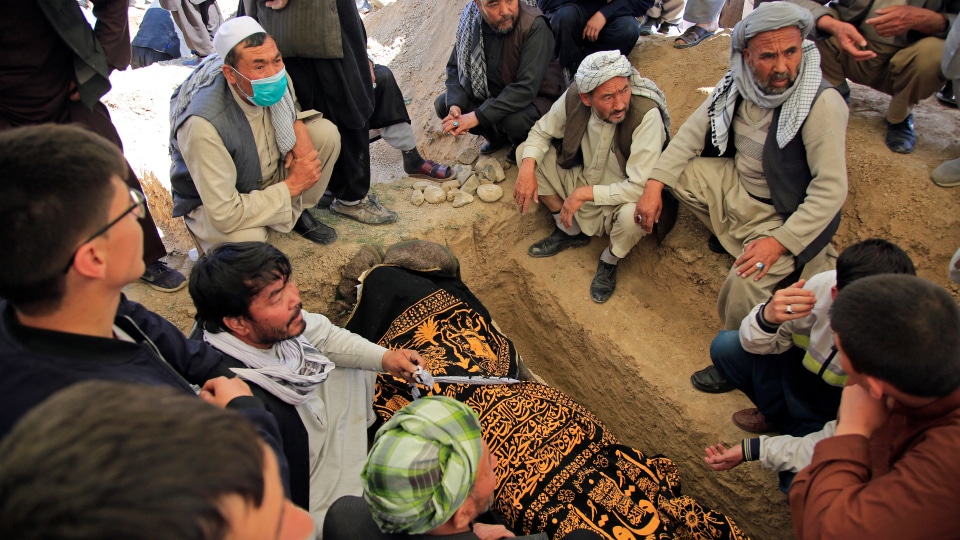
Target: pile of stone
point(476, 178)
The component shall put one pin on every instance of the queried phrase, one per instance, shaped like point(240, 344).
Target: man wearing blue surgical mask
point(245, 158)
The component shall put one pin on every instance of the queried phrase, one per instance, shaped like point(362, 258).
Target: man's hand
point(525, 189)
point(304, 173)
point(276, 4)
point(491, 532)
point(457, 123)
point(859, 413)
point(800, 302)
point(647, 213)
point(402, 363)
point(724, 459)
point(221, 390)
point(851, 42)
point(596, 23)
point(763, 250)
point(898, 20)
point(573, 203)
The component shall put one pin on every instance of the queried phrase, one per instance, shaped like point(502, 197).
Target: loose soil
point(629, 360)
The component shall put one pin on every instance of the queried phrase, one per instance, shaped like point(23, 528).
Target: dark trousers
point(513, 128)
point(620, 33)
point(98, 121)
point(788, 395)
point(350, 180)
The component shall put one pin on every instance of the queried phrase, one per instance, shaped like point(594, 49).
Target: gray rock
point(489, 192)
point(422, 185)
point(450, 184)
point(468, 155)
point(434, 195)
point(462, 170)
point(491, 170)
point(416, 197)
point(470, 185)
point(462, 199)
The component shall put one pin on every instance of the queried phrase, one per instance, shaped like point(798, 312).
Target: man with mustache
point(612, 125)
point(762, 161)
point(250, 310)
point(502, 75)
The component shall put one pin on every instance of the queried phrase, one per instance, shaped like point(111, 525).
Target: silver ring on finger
point(790, 309)
point(759, 266)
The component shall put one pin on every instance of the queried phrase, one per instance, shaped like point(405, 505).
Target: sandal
point(433, 170)
point(692, 36)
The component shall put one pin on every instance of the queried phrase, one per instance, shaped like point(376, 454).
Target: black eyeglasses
point(139, 209)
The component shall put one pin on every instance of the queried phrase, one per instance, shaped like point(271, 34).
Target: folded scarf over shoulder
point(796, 101)
point(291, 370)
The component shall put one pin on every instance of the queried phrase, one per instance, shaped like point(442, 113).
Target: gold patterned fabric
point(559, 468)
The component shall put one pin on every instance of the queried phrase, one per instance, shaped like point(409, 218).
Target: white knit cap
point(234, 31)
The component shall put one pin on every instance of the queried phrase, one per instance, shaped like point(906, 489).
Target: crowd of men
point(852, 358)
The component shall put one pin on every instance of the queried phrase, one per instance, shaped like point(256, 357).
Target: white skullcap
point(234, 31)
point(599, 68)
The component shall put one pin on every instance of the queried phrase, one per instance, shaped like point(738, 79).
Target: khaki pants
point(711, 189)
point(908, 75)
point(594, 220)
point(326, 140)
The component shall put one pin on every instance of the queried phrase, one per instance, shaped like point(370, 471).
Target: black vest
point(787, 174)
point(214, 103)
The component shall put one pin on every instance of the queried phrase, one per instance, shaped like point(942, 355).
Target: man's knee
point(725, 350)
point(383, 76)
point(325, 137)
point(566, 20)
point(919, 60)
point(625, 232)
point(516, 126)
point(620, 33)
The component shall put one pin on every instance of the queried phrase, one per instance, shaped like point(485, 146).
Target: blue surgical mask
point(268, 91)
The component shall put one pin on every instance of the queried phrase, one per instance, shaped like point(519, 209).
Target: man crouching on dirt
point(244, 158)
point(613, 124)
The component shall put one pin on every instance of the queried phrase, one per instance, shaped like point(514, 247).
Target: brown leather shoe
point(751, 420)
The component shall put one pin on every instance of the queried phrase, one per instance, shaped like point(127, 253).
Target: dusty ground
point(629, 359)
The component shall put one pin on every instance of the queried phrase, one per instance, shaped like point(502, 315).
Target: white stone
point(489, 192)
point(434, 195)
point(471, 185)
point(462, 199)
point(450, 184)
point(416, 197)
point(422, 185)
point(452, 194)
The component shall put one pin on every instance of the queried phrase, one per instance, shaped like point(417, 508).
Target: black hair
point(56, 190)
point(224, 282)
point(901, 329)
point(872, 257)
point(253, 40)
point(119, 460)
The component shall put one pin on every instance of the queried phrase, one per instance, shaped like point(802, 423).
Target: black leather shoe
point(512, 154)
point(711, 381)
point(489, 146)
point(901, 137)
point(311, 229)
point(557, 242)
point(604, 282)
point(714, 245)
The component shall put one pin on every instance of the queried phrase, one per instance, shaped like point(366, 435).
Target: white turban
point(234, 31)
point(599, 68)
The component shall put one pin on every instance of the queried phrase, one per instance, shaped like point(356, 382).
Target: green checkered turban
point(422, 465)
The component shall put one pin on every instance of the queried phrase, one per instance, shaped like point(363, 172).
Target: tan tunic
point(614, 194)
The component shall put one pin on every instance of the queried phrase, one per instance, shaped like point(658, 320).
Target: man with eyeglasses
point(63, 316)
